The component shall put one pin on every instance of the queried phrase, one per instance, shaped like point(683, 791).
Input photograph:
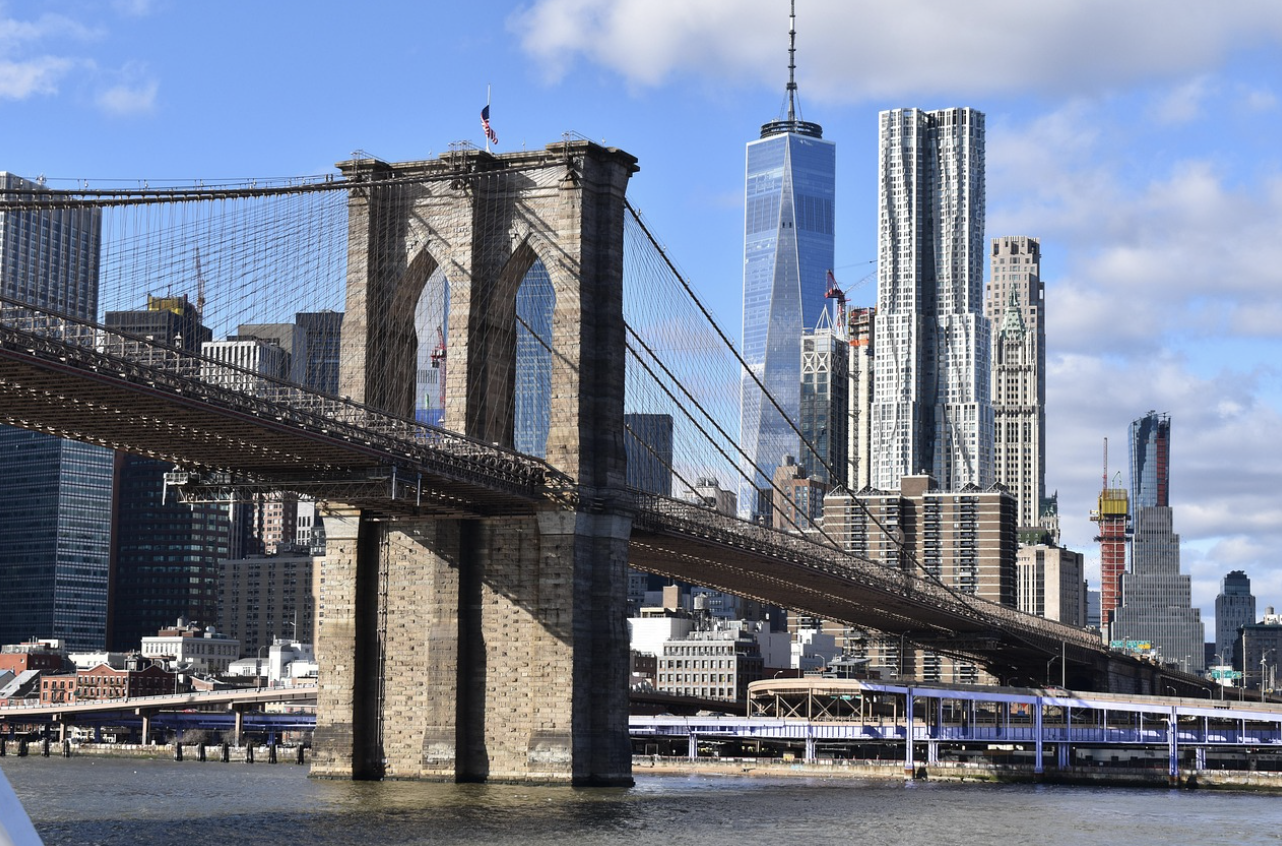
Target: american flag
point(485, 124)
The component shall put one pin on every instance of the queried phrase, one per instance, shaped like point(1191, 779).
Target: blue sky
point(1138, 140)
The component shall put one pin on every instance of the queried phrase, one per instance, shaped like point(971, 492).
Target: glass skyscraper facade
point(55, 505)
point(1234, 608)
point(535, 302)
point(324, 346)
point(825, 403)
point(1156, 598)
point(164, 553)
point(789, 200)
point(1150, 452)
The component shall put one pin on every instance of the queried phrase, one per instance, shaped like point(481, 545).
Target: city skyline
point(1139, 154)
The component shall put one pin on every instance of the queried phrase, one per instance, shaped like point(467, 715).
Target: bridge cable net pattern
point(252, 256)
point(246, 259)
point(682, 365)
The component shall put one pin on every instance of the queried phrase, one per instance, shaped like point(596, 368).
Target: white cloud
point(125, 100)
point(135, 8)
point(14, 33)
point(127, 92)
point(20, 80)
point(1164, 251)
point(855, 51)
point(1183, 103)
point(1258, 99)
point(1163, 297)
point(23, 76)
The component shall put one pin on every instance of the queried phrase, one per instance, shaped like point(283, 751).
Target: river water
point(144, 803)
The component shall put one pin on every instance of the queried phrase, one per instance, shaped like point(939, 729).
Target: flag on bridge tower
point(490, 137)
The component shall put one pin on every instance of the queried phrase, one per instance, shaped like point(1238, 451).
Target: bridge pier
point(1039, 743)
point(475, 650)
point(238, 727)
point(910, 765)
point(490, 647)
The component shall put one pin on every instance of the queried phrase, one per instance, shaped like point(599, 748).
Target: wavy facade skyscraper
point(789, 194)
point(931, 413)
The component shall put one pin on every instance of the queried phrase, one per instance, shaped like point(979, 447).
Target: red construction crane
point(438, 362)
point(835, 293)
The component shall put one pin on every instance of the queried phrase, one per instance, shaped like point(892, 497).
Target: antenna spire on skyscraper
point(792, 123)
point(792, 61)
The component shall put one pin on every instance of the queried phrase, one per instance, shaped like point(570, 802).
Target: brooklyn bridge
point(473, 598)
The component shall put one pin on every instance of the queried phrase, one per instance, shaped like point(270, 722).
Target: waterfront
point(154, 802)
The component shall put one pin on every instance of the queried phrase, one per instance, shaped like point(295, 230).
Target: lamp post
point(258, 666)
point(1242, 686)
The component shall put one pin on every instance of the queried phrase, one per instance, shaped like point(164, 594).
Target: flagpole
point(487, 106)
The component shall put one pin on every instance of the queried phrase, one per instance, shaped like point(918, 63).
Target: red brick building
point(106, 682)
point(19, 658)
point(59, 688)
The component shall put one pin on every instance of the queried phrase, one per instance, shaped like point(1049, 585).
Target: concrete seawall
point(212, 752)
point(951, 771)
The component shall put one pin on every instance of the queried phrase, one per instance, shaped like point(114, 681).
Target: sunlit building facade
point(1014, 305)
point(788, 249)
point(931, 410)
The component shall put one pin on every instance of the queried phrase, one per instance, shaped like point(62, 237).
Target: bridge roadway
point(174, 710)
point(82, 381)
point(240, 697)
point(79, 380)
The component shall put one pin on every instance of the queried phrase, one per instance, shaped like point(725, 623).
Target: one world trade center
point(787, 251)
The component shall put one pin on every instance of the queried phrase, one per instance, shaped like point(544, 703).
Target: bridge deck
point(79, 380)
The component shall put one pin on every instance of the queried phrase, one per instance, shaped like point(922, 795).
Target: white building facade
point(190, 647)
point(931, 411)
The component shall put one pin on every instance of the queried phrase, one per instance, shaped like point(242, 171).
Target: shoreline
point(951, 771)
point(1270, 782)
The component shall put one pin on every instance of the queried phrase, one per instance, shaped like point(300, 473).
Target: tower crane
point(438, 362)
point(835, 293)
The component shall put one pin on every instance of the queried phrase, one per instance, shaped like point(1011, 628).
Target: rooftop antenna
point(792, 61)
point(792, 123)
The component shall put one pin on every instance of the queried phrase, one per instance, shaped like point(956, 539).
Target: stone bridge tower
point(494, 647)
